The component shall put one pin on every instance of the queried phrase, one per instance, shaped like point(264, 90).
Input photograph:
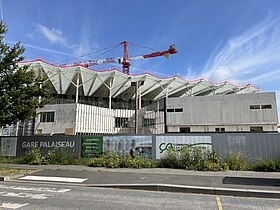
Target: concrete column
point(110, 94)
point(140, 105)
point(110, 98)
point(77, 87)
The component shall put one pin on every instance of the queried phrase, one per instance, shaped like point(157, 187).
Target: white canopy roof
point(116, 84)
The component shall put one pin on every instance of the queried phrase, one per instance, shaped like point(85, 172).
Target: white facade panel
point(232, 112)
point(95, 120)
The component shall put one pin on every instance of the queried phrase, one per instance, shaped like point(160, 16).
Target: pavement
point(233, 183)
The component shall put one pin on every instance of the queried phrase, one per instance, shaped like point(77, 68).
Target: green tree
point(21, 90)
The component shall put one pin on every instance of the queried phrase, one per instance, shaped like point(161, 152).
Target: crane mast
point(125, 63)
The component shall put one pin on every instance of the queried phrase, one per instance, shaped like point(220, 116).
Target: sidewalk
point(239, 183)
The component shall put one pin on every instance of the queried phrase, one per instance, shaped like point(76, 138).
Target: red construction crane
point(125, 60)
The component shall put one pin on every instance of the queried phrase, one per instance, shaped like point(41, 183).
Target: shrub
point(193, 159)
point(214, 162)
point(197, 160)
point(98, 162)
point(185, 157)
point(15, 160)
point(33, 157)
point(56, 156)
point(50, 158)
point(237, 162)
point(82, 161)
point(266, 165)
point(170, 160)
point(72, 159)
point(60, 156)
point(124, 161)
point(113, 162)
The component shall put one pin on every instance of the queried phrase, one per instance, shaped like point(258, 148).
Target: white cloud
point(251, 57)
point(52, 34)
point(190, 75)
point(26, 45)
point(81, 49)
point(31, 36)
point(56, 36)
point(46, 49)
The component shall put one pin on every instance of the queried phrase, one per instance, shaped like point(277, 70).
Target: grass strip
point(4, 171)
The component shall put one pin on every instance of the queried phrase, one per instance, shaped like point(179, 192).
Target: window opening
point(267, 106)
point(47, 117)
point(254, 106)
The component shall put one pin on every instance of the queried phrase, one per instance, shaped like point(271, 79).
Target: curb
point(11, 177)
point(16, 176)
point(194, 189)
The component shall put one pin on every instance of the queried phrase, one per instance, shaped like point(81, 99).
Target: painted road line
point(53, 179)
point(13, 205)
point(219, 203)
point(37, 189)
point(24, 195)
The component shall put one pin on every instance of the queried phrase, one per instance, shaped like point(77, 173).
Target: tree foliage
point(21, 90)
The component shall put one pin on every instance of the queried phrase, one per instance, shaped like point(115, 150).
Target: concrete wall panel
point(65, 117)
point(232, 111)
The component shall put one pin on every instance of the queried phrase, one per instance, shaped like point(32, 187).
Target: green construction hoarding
point(92, 146)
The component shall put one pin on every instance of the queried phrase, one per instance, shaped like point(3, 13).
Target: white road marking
point(53, 179)
point(143, 177)
point(37, 189)
point(13, 205)
point(24, 195)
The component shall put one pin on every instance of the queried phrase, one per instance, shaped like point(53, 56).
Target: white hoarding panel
point(122, 145)
point(163, 143)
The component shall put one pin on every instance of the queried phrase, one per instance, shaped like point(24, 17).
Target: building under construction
point(86, 102)
point(110, 102)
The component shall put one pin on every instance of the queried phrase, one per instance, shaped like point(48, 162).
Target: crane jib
point(171, 51)
point(125, 59)
point(92, 62)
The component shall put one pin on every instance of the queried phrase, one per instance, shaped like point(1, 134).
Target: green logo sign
point(177, 146)
point(92, 146)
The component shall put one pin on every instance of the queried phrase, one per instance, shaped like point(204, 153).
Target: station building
point(88, 102)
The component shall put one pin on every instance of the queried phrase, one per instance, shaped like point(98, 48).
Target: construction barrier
point(252, 145)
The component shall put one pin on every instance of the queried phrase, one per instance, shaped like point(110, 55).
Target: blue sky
point(219, 40)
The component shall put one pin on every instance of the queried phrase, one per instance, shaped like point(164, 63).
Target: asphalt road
point(15, 195)
point(107, 177)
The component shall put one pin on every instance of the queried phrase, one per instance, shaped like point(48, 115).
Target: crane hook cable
point(96, 51)
point(138, 45)
point(106, 51)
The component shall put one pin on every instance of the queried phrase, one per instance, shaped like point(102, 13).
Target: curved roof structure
point(115, 84)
